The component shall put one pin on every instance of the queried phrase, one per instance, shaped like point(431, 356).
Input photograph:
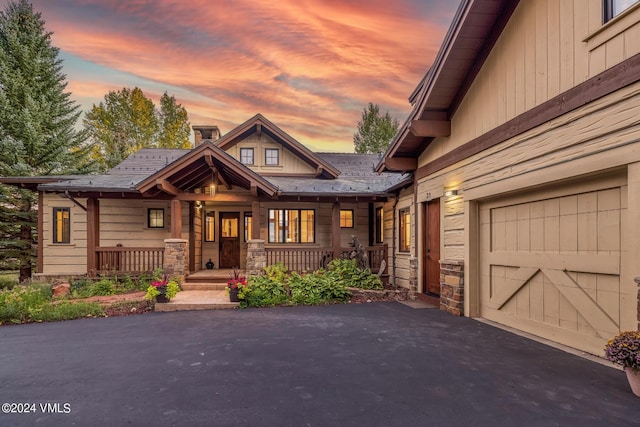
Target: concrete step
point(198, 300)
point(204, 286)
point(211, 279)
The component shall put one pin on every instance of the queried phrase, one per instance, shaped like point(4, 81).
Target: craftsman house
point(524, 144)
point(250, 197)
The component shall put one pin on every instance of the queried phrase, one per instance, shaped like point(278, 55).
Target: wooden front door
point(229, 239)
point(431, 239)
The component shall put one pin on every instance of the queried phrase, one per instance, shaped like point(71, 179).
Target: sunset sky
point(309, 66)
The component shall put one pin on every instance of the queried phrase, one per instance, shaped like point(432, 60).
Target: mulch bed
point(121, 304)
point(359, 296)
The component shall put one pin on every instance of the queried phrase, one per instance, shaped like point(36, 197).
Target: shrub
point(15, 303)
point(263, 291)
point(64, 310)
point(8, 281)
point(346, 271)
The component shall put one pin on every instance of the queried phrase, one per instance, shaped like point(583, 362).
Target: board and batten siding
point(62, 258)
point(546, 48)
point(399, 264)
point(289, 162)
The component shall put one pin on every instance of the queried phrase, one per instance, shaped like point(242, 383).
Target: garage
point(550, 263)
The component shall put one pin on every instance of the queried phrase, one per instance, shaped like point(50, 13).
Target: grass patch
point(65, 310)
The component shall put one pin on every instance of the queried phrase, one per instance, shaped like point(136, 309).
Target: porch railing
point(303, 259)
point(128, 259)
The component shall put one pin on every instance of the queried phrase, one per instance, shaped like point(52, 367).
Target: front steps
point(198, 300)
point(203, 290)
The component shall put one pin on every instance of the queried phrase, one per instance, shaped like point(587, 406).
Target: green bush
point(64, 310)
point(8, 280)
point(262, 291)
point(15, 303)
point(346, 272)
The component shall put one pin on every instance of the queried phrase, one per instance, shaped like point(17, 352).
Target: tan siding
point(64, 258)
point(540, 54)
point(289, 162)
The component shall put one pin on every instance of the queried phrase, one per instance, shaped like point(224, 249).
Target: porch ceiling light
point(450, 192)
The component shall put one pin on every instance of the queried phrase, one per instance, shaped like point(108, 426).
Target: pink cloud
point(308, 65)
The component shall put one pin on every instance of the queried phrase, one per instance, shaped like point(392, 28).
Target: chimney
point(205, 133)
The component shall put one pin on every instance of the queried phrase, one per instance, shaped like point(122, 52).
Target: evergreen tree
point(37, 118)
point(126, 121)
point(374, 131)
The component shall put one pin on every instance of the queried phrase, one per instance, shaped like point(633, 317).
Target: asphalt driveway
point(381, 364)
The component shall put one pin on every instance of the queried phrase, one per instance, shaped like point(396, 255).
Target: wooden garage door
point(551, 266)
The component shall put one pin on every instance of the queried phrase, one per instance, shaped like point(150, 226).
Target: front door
point(229, 239)
point(431, 239)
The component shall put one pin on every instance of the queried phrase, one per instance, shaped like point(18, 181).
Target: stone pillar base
point(413, 275)
point(256, 257)
point(452, 287)
point(176, 257)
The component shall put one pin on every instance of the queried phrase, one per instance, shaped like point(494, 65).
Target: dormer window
point(271, 156)
point(613, 8)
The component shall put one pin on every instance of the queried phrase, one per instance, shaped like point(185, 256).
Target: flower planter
point(233, 294)
point(633, 376)
point(162, 298)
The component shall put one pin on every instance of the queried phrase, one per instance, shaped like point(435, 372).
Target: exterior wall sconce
point(198, 204)
point(450, 193)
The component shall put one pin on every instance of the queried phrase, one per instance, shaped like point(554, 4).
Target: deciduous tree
point(375, 131)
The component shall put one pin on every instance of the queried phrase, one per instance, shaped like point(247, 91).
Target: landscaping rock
point(61, 289)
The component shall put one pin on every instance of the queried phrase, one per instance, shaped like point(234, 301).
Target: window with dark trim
point(405, 230)
point(155, 218)
point(246, 156)
point(209, 226)
point(613, 8)
point(379, 225)
point(346, 218)
point(61, 225)
point(291, 226)
point(271, 156)
point(248, 226)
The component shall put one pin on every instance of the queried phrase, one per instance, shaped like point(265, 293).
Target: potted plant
point(235, 285)
point(624, 349)
point(162, 290)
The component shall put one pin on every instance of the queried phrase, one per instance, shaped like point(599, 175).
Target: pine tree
point(374, 131)
point(37, 118)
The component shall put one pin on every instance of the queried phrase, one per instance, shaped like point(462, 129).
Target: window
point(271, 156)
point(229, 226)
point(248, 226)
point(405, 230)
point(155, 218)
point(246, 156)
point(379, 225)
point(209, 226)
point(346, 218)
point(613, 8)
point(61, 225)
point(291, 225)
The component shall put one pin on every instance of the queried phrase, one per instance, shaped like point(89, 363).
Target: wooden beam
point(167, 187)
point(93, 234)
point(401, 164)
point(431, 128)
point(255, 218)
point(176, 219)
point(219, 197)
point(254, 189)
point(335, 230)
point(217, 176)
point(259, 129)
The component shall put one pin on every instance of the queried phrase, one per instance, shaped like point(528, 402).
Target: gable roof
point(474, 30)
point(259, 123)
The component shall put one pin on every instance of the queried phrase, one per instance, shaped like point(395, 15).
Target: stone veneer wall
point(452, 287)
point(176, 257)
point(256, 257)
point(637, 280)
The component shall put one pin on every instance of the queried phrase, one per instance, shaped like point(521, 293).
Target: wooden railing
point(128, 260)
point(303, 259)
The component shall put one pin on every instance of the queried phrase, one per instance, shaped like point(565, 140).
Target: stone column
point(256, 257)
point(176, 257)
point(452, 287)
point(413, 275)
point(637, 280)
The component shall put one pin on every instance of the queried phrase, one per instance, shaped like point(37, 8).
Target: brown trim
point(192, 236)
point(605, 83)
point(40, 255)
point(176, 219)
point(335, 230)
point(255, 221)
